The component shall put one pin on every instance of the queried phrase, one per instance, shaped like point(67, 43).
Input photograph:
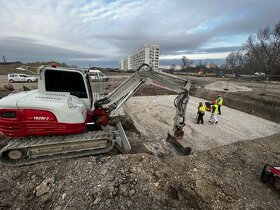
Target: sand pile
point(222, 85)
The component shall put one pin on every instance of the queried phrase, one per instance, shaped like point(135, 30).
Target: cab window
point(63, 81)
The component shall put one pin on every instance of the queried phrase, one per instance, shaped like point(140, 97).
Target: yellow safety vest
point(220, 101)
point(202, 109)
point(216, 109)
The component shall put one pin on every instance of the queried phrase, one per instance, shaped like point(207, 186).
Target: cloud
point(90, 31)
point(27, 49)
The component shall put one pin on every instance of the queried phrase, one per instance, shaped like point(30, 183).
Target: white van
point(96, 75)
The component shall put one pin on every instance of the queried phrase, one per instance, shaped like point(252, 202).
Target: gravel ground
point(222, 85)
point(153, 117)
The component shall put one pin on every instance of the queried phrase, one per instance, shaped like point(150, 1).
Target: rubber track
point(37, 141)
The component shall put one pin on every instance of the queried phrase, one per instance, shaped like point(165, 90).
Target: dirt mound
point(225, 86)
point(223, 178)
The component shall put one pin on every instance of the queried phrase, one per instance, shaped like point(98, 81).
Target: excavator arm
point(145, 74)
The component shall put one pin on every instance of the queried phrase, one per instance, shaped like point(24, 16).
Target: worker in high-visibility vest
point(201, 111)
point(220, 101)
point(214, 112)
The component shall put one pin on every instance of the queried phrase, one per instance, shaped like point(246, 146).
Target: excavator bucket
point(121, 141)
point(177, 142)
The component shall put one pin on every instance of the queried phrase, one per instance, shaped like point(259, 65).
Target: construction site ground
point(223, 171)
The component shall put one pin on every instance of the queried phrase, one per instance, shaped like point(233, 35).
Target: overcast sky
point(100, 33)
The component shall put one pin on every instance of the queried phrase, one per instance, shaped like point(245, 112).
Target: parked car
point(220, 74)
point(96, 75)
point(21, 78)
point(260, 74)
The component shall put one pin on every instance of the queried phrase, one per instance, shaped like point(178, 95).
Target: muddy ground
point(152, 176)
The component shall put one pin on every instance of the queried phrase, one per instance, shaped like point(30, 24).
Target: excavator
point(55, 121)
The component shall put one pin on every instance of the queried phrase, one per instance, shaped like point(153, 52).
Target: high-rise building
point(126, 63)
point(148, 53)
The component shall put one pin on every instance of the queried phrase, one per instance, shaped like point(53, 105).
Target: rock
point(108, 202)
point(131, 193)
point(9, 87)
point(58, 208)
point(156, 184)
point(124, 190)
point(33, 177)
point(44, 187)
point(97, 201)
point(122, 208)
point(129, 204)
point(206, 190)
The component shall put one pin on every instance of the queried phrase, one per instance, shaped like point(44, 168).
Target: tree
point(172, 69)
point(186, 63)
point(234, 61)
point(264, 48)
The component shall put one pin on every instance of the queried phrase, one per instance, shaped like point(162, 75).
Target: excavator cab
point(73, 81)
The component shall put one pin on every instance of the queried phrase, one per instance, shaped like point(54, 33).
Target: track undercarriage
point(32, 150)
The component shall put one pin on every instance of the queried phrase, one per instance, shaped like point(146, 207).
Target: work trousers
point(213, 118)
point(200, 117)
point(219, 109)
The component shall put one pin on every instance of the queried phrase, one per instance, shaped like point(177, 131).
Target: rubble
point(44, 187)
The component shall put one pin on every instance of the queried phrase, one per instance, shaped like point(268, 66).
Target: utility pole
point(4, 59)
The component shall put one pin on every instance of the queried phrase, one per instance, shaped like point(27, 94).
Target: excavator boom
point(145, 74)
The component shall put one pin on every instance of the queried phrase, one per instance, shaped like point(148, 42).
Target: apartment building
point(148, 53)
point(126, 63)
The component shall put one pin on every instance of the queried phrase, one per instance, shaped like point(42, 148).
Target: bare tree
point(234, 61)
point(264, 47)
point(186, 63)
point(172, 69)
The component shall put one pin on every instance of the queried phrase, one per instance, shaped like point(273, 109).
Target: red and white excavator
point(54, 122)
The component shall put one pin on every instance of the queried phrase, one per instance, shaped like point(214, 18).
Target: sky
point(100, 33)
